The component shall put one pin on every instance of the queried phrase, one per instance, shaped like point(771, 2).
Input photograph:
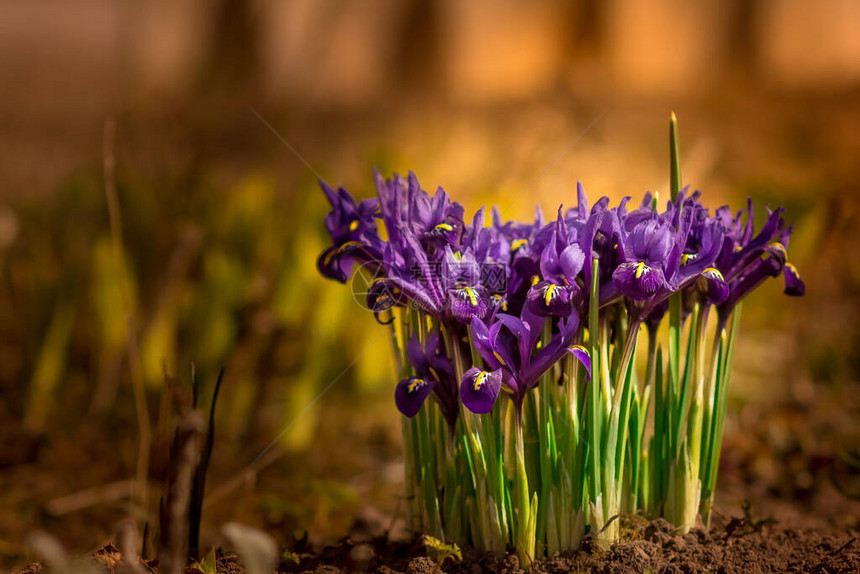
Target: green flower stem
point(570, 410)
point(681, 408)
point(616, 434)
point(684, 480)
point(620, 413)
point(697, 407)
point(397, 349)
point(726, 356)
point(608, 393)
point(658, 448)
point(567, 497)
point(675, 303)
point(526, 505)
point(547, 440)
point(594, 421)
point(413, 518)
point(710, 398)
point(483, 450)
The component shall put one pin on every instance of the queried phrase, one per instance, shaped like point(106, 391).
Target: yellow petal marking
point(472, 295)
point(779, 247)
point(347, 244)
point(549, 292)
point(710, 271)
point(504, 304)
point(480, 379)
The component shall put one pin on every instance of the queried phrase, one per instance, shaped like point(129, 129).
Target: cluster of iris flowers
point(541, 425)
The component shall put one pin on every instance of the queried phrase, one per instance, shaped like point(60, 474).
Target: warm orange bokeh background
point(506, 102)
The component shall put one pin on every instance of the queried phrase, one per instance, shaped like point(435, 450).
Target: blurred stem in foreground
point(144, 426)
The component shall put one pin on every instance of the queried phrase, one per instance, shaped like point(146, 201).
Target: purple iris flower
point(491, 248)
point(510, 280)
point(602, 237)
point(446, 288)
point(407, 209)
point(434, 374)
point(561, 262)
point(662, 253)
point(525, 243)
point(747, 259)
point(509, 346)
point(648, 245)
point(433, 261)
point(354, 234)
point(479, 389)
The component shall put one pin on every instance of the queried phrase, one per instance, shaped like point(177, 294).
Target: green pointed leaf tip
point(208, 564)
point(674, 158)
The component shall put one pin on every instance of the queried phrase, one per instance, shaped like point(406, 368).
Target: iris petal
point(794, 285)
point(713, 286)
point(330, 265)
point(383, 294)
point(468, 302)
point(637, 280)
point(410, 394)
point(581, 353)
point(479, 390)
point(571, 261)
point(547, 298)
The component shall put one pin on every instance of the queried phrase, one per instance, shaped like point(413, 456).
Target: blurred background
point(159, 207)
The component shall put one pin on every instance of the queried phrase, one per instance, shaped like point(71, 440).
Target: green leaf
point(674, 158)
point(442, 551)
point(207, 565)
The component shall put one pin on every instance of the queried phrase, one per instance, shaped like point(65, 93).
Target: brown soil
point(730, 546)
point(647, 547)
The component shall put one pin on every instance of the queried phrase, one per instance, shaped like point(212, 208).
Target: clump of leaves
point(440, 551)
